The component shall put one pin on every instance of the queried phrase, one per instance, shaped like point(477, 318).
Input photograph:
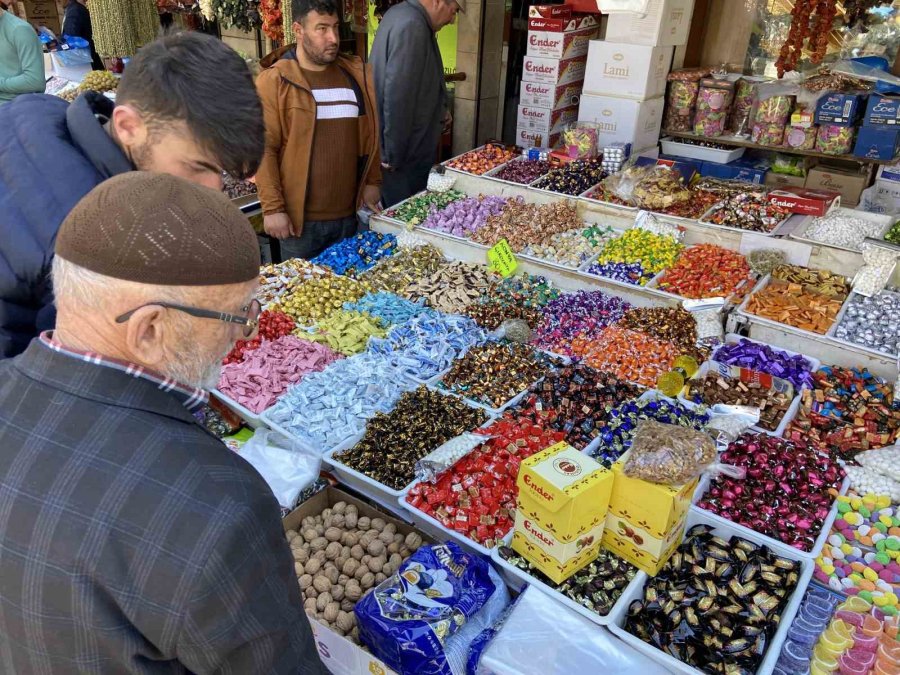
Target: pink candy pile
point(265, 373)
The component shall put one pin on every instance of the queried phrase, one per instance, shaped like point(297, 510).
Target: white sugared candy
point(864, 480)
point(876, 271)
point(872, 322)
point(842, 228)
point(885, 461)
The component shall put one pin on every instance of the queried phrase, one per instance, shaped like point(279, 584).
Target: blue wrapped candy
point(423, 619)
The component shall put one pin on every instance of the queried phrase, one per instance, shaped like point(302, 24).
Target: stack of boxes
point(569, 507)
point(561, 510)
point(625, 80)
point(879, 136)
point(552, 73)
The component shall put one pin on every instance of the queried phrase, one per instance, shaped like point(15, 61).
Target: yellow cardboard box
point(561, 510)
point(556, 559)
point(645, 523)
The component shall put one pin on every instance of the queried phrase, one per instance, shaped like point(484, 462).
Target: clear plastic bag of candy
point(435, 463)
point(514, 330)
point(674, 455)
point(668, 454)
point(742, 107)
point(713, 107)
point(652, 187)
point(581, 140)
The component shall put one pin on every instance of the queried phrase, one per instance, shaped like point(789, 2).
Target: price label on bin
point(501, 258)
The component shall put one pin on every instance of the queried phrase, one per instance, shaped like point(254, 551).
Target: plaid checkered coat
point(131, 540)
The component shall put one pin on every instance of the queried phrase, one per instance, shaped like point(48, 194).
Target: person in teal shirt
point(21, 58)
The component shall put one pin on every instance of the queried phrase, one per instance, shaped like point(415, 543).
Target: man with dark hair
point(412, 97)
point(186, 105)
point(132, 540)
point(321, 161)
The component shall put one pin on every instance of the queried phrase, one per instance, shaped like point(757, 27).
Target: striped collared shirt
point(191, 398)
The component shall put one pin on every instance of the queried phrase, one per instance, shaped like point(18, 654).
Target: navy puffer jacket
point(51, 155)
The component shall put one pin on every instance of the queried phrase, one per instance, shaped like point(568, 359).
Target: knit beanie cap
point(158, 229)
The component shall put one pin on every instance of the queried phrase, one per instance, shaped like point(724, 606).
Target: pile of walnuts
point(339, 556)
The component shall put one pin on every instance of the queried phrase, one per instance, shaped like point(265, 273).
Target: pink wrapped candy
point(265, 373)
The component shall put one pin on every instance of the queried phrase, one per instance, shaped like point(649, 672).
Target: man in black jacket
point(186, 105)
point(78, 24)
point(412, 96)
point(131, 539)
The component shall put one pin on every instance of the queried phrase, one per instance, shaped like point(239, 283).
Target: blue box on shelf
point(882, 111)
point(877, 143)
point(745, 169)
point(686, 168)
point(839, 109)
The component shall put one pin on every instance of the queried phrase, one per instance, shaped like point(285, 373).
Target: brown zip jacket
point(289, 110)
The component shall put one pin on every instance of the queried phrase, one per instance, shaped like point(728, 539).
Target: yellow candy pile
point(654, 252)
point(346, 332)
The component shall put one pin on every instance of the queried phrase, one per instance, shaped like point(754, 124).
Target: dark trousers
point(403, 182)
point(317, 236)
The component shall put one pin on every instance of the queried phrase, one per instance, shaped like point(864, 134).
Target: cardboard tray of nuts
point(334, 624)
point(726, 530)
point(517, 579)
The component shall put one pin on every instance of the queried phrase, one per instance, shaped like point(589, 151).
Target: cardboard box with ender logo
point(529, 138)
point(542, 95)
point(561, 510)
point(627, 70)
point(645, 521)
point(665, 24)
point(623, 120)
point(561, 37)
point(806, 201)
point(848, 182)
point(553, 71)
point(544, 120)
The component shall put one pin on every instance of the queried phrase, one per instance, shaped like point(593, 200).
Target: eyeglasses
point(250, 321)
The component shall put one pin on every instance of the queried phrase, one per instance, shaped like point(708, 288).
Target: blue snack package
point(411, 619)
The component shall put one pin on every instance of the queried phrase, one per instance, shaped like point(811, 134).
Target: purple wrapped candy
point(796, 369)
point(575, 314)
point(629, 273)
point(463, 217)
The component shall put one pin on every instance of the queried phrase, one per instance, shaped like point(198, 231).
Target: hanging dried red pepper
point(811, 22)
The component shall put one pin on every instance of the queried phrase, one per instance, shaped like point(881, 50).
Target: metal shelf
point(740, 143)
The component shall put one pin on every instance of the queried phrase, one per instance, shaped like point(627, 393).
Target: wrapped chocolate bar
point(832, 139)
point(713, 106)
point(681, 97)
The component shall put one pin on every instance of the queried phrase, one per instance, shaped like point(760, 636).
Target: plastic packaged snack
point(445, 456)
point(581, 140)
point(424, 618)
point(790, 165)
point(742, 108)
point(775, 109)
point(800, 138)
point(767, 134)
point(713, 107)
point(668, 454)
point(681, 98)
point(834, 140)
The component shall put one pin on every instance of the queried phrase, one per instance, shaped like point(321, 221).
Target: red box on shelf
point(806, 201)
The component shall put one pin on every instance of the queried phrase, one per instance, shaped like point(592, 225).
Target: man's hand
point(277, 225)
point(371, 197)
point(447, 121)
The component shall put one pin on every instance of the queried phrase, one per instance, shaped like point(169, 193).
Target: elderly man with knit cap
point(131, 539)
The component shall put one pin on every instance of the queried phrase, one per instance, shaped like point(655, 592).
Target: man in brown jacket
point(322, 160)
